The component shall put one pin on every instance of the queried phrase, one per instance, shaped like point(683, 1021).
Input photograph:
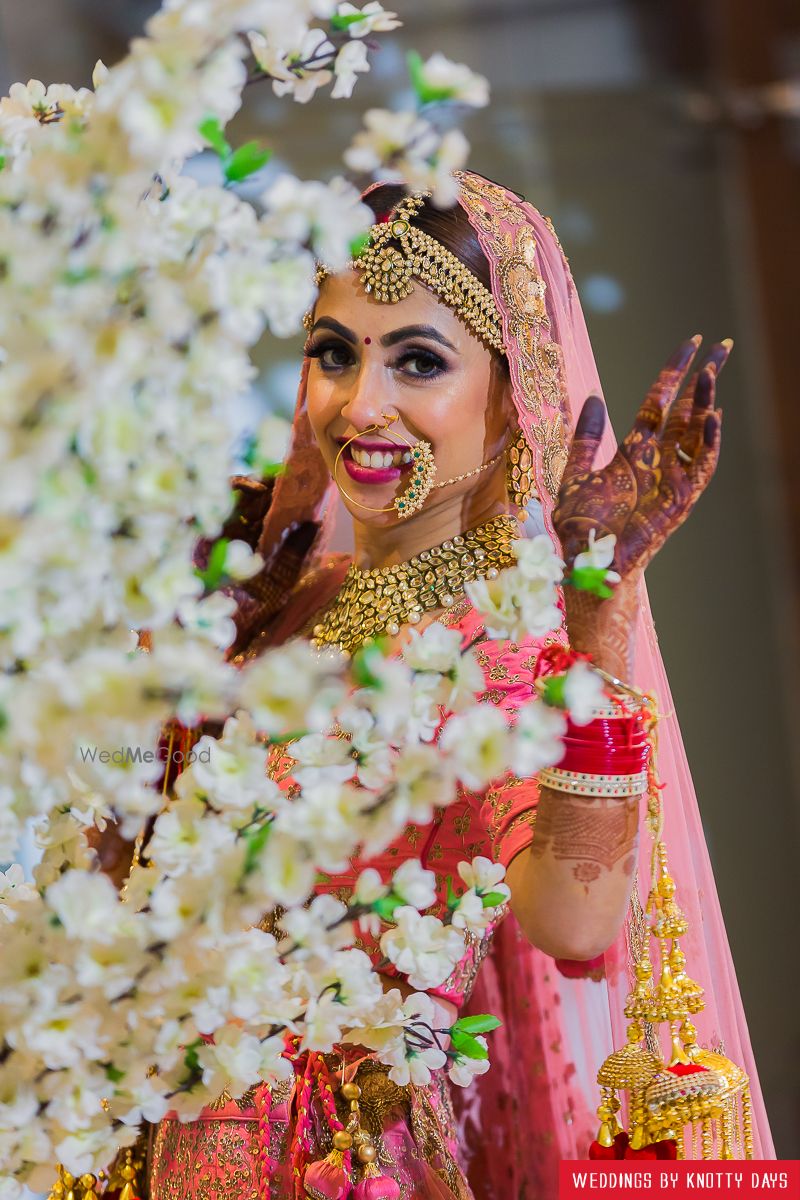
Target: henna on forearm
point(594, 832)
point(570, 888)
point(604, 629)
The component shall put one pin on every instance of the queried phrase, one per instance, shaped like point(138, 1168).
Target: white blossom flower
point(271, 443)
point(477, 742)
point(414, 885)
point(187, 838)
point(537, 559)
point(422, 948)
point(240, 561)
point(462, 1070)
point(372, 18)
point(484, 875)
point(457, 676)
point(449, 80)
point(470, 913)
point(322, 759)
point(230, 771)
point(369, 887)
point(350, 62)
point(599, 554)
point(537, 740)
point(14, 891)
point(329, 216)
point(211, 618)
point(386, 137)
point(297, 72)
point(319, 929)
point(583, 692)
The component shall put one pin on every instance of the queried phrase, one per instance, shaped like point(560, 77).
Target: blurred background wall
point(663, 138)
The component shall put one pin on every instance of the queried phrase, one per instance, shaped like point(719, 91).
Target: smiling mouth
point(378, 459)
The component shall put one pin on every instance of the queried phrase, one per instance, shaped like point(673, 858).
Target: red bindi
point(367, 341)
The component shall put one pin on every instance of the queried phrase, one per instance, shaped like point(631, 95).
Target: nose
point(365, 398)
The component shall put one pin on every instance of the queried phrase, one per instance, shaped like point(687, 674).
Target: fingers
point(651, 415)
point(683, 431)
point(679, 414)
point(588, 432)
point(705, 460)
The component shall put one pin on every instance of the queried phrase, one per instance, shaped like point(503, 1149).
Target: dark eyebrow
point(388, 339)
point(419, 331)
point(336, 327)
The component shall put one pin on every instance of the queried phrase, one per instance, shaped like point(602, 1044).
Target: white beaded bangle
point(580, 783)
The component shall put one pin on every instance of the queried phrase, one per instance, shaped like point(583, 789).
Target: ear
point(501, 393)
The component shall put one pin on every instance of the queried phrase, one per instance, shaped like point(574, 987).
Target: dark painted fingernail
point(718, 355)
point(704, 391)
point(710, 428)
point(592, 419)
point(680, 358)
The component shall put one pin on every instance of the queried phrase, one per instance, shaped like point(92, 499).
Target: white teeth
point(379, 459)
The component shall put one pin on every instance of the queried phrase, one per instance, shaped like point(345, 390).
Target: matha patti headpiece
point(398, 253)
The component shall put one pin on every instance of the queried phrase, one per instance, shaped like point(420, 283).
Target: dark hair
point(450, 226)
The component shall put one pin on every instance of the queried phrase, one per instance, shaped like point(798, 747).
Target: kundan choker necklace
point(378, 601)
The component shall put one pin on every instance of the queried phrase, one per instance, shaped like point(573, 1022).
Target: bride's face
point(417, 360)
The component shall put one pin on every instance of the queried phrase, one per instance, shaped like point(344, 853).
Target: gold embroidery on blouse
point(412, 833)
point(528, 817)
point(462, 822)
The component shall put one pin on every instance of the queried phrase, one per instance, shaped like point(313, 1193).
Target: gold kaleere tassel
point(686, 1088)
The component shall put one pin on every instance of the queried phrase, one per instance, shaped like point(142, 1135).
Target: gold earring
point(519, 472)
point(423, 472)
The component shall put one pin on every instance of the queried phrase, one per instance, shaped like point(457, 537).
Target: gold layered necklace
point(378, 601)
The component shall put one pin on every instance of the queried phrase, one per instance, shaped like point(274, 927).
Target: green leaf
point(215, 569)
point(359, 244)
point(590, 579)
point(245, 161)
point(2, 161)
point(467, 1045)
point(190, 1059)
point(114, 1074)
point(74, 277)
point(212, 131)
point(267, 470)
point(386, 905)
point(452, 896)
point(423, 90)
point(364, 673)
point(477, 1023)
point(342, 22)
point(256, 840)
point(492, 899)
point(553, 692)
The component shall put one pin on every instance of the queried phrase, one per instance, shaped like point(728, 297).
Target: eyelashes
point(334, 355)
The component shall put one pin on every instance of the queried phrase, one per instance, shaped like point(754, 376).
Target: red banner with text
point(681, 1180)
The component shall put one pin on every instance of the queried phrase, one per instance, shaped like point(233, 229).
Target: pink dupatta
point(536, 1105)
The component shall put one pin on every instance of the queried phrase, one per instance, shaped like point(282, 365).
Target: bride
point(449, 396)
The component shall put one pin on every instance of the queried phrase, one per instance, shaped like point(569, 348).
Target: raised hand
point(659, 470)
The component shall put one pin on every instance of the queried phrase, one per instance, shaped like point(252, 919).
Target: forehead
point(343, 297)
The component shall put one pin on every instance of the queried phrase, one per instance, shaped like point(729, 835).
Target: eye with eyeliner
point(429, 364)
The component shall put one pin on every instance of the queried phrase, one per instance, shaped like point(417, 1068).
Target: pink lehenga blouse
point(247, 1147)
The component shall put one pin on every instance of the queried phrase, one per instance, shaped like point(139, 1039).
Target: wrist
point(604, 628)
